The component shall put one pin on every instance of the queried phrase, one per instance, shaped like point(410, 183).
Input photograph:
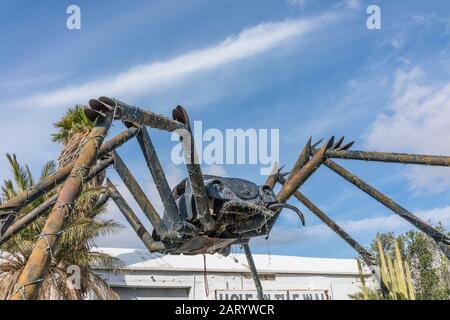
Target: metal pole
point(299, 177)
point(140, 197)
point(367, 257)
point(133, 220)
point(26, 220)
point(301, 161)
point(303, 168)
point(139, 117)
point(272, 178)
point(171, 208)
point(13, 205)
point(136, 115)
point(194, 171)
point(441, 239)
point(390, 157)
point(251, 264)
point(34, 272)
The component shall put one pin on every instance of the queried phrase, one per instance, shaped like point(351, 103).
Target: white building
point(144, 275)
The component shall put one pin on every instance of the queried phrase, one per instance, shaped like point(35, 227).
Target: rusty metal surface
point(271, 180)
point(138, 116)
point(48, 184)
point(141, 199)
point(251, 265)
point(304, 167)
point(37, 265)
point(441, 239)
point(260, 215)
point(211, 230)
point(26, 220)
point(203, 244)
point(301, 161)
point(133, 220)
point(367, 257)
point(194, 171)
point(159, 178)
point(403, 158)
point(300, 176)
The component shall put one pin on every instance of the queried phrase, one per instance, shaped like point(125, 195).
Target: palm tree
point(74, 247)
point(73, 129)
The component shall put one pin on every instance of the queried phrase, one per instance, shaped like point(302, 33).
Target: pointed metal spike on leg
point(298, 178)
point(317, 143)
point(251, 264)
point(347, 146)
point(337, 144)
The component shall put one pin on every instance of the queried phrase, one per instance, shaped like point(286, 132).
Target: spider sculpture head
point(240, 208)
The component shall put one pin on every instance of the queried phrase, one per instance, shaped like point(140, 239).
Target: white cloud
point(215, 170)
point(297, 2)
point(417, 121)
point(152, 76)
point(353, 4)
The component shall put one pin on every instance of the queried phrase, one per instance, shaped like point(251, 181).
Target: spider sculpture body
point(203, 213)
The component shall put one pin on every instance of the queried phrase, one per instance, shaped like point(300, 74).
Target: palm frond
point(8, 190)
point(74, 121)
point(48, 169)
point(81, 230)
point(30, 176)
point(21, 178)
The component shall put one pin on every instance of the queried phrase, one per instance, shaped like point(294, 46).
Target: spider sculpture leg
point(365, 255)
point(193, 167)
point(251, 264)
point(174, 220)
point(142, 200)
point(440, 238)
point(133, 220)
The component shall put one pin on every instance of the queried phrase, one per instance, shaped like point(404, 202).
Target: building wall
point(160, 284)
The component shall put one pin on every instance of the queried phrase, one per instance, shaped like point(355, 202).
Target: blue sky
point(305, 67)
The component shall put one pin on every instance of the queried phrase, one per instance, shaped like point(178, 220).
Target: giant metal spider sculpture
point(203, 214)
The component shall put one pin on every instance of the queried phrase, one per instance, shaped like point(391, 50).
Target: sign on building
point(273, 295)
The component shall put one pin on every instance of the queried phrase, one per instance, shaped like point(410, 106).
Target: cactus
point(395, 274)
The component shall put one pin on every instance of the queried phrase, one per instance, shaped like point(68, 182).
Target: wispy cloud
point(353, 4)
point(155, 75)
point(417, 121)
